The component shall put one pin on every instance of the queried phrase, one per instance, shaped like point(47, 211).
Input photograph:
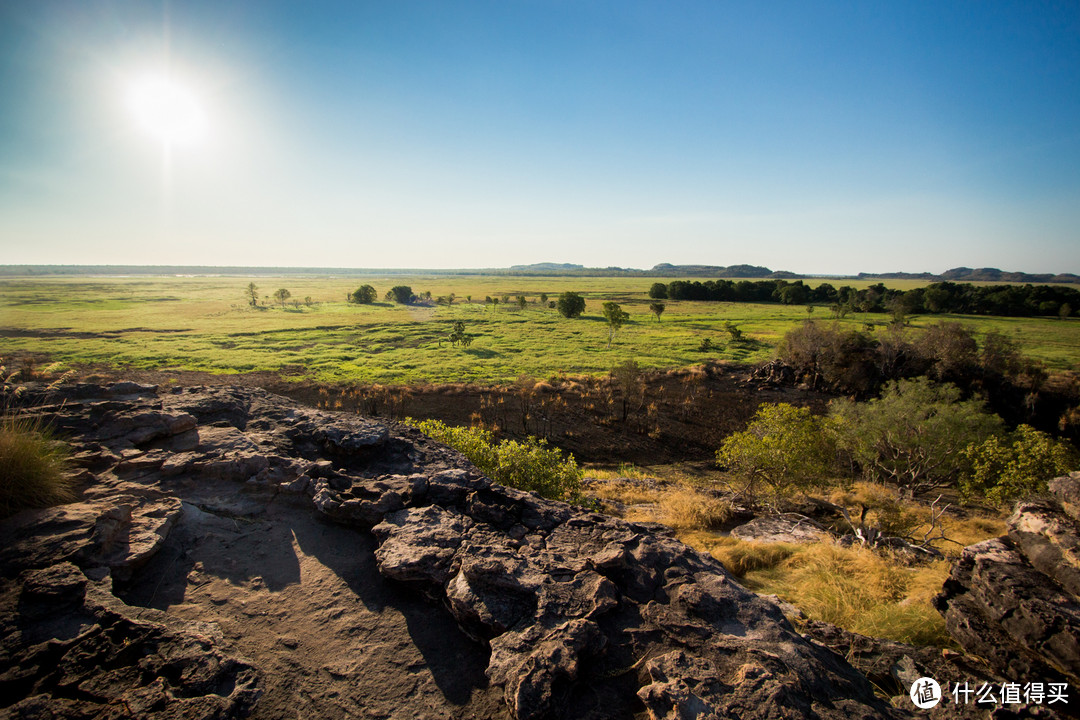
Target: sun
point(167, 110)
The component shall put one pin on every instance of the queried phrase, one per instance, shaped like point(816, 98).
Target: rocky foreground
point(235, 555)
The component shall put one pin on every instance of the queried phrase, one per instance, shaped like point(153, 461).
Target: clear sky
point(816, 137)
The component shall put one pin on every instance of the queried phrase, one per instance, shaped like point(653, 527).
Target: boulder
point(787, 527)
point(1014, 600)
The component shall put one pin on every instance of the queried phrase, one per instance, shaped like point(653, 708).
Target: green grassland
point(206, 323)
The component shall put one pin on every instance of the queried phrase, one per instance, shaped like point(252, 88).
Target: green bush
point(914, 435)
point(33, 467)
point(529, 465)
point(1007, 468)
point(785, 448)
point(570, 305)
point(364, 295)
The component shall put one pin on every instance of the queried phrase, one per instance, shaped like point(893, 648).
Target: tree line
point(942, 297)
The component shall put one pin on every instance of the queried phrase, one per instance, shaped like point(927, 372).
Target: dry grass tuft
point(685, 509)
point(741, 558)
point(33, 467)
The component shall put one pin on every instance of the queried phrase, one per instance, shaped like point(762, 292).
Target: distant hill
point(966, 274)
point(547, 266)
point(663, 270)
point(717, 271)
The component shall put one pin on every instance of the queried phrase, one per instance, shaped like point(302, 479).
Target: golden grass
point(687, 509)
point(33, 467)
point(858, 589)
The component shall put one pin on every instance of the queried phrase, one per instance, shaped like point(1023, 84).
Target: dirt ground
point(304, 601)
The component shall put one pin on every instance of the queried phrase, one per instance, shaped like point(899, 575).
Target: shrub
point(1007, 468)
point(784, 447)
point(364, 295)
point(832, 358)
point(33, 467)
point(529, 465)
point(914, 434)
point(570, 305)
point(401, 294)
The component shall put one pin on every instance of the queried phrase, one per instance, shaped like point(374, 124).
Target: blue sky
point(817, 137)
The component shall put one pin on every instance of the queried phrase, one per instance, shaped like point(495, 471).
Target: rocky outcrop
point(1015, 600)
point(785, 527)
point(192, 581)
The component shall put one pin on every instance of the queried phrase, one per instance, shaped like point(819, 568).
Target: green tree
point(914, 435)
point(615, 317)
point(1012, 467)
point(658, 291)
point(543, 298)
point(402, 294)
point(522, 302)
point(784, 448)
point(570, 305)
point(657, 309)
point(253, 292)
point(364, 295)
point(457, 334)
point(281, 295)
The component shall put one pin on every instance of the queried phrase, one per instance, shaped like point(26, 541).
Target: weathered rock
point(70, 649)
point(583, 615)
point(118, 537)
point(1013, 600)
point(789, 528)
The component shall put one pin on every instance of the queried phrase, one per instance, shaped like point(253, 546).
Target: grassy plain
point(205, 323)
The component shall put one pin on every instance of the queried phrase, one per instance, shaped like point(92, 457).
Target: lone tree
point(281, 295)
point(657, 309)
point(253, 291)
point(364, 295)
point(615, 317)
point(402, 294)
point(570, 305)
point(457, 335)
point(522, 302)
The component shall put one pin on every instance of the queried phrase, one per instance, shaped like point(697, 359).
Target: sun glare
point(167, 110)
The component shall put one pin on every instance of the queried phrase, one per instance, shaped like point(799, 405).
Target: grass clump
point(624, 493)
point(529, 465)
point(855, 588)
point(685, 509)
point(33, 467)
point(741, 557)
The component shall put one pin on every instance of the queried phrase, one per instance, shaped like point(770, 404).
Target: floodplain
point(208, 324)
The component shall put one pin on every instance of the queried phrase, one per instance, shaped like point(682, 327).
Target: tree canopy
point(615, 317)
point(570, 305)
point(365, 295)
point(914, 435)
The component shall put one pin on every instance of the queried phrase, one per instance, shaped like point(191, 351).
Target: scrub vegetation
point(898, 420)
